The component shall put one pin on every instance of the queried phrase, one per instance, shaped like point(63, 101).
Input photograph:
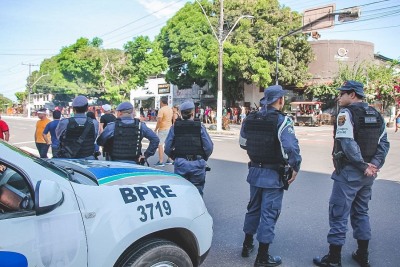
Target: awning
point(144, 97)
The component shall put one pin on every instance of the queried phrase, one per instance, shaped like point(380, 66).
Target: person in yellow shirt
point(164, 123)
point(41, 144)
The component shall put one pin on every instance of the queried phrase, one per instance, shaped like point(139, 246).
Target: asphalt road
point(303, 224)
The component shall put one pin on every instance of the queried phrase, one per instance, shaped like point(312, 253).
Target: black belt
point(191, 157)
point(264, 165)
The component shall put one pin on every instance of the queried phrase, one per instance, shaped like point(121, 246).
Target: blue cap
point(271, 94)
point(353, 85)
point(79, 101)
point(186, 105)
point(124, 106)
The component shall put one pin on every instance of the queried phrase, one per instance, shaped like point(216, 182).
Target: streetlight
point(345, 15)
point(221, 39)
point(30, 91)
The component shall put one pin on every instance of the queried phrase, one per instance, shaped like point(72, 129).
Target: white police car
point(97, 213)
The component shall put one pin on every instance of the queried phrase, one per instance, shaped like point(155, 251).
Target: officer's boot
point(264, 259)
point(248, 245)
point(333, 259)
point(361, 254)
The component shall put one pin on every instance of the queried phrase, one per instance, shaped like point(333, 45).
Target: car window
point(15, 193)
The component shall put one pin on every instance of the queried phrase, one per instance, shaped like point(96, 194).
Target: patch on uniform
point(290, 130)
point(344, 126)
point(341, 120)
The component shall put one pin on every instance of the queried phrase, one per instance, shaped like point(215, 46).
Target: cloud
point(164, 9)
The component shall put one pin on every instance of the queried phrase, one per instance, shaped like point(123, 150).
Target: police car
point(60, 212)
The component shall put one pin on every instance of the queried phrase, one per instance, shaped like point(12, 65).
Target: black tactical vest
point(367, 123)
point(80, 148)
point(187, 140)
point(263, 145)
point(126, 143)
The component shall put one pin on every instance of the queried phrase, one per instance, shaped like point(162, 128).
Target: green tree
point(4, 103)
point(249, 52)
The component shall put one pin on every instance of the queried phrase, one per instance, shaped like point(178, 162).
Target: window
point(15, 195)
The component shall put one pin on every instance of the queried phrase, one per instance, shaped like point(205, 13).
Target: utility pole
point(221, 38)
point(30, 65)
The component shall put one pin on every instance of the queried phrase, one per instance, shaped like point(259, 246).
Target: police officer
point(189, 144)
point(122, 138)
point(360, 149)
point(268, 136)
point(77, 134)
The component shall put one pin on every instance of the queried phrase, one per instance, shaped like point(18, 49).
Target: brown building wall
point(330, 53)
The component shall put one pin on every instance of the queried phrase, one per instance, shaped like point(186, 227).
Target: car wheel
point(158, 253)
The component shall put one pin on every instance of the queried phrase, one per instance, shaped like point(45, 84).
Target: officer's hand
point(141, 157)
point(294, 174)
point(372, 170)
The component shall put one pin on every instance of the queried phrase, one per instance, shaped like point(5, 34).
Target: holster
point(285, 174)
point(338, 161)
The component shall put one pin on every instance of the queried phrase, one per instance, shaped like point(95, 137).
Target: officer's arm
point(242, 137)
point(106, 134)
point(383, 148)
point(290, 144)
point(169, 143)
point(208, 145)
point(152, 137)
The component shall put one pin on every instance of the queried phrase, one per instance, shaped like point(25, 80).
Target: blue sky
point(32, 30)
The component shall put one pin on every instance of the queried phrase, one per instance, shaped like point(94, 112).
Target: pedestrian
point(40, 142)
point(164, 123)
point(4, 130)
point(397, 121)
point(189, 144)
point(175, 113)
point(271, 144)
point(359, 152)
point(123, 137)
point(77, 134)
point(51, 128)
point(96, 153)
point(106, 118)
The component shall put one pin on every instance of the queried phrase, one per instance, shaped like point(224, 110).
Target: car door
point(48, 237)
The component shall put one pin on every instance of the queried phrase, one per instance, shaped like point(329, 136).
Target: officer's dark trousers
point(196, 180)
point(262, 212)
point(349, 199)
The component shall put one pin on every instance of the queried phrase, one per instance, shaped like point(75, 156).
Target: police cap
point(357, 87)
point(272, 94)
point(124, 106)
point(186, 105)
point(79, 101)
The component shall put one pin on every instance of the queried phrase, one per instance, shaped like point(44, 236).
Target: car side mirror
point(48, 196)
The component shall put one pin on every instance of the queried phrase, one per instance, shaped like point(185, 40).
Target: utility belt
point(285, 171)
point(264, 165)
point(191, 157)
point(339, 161)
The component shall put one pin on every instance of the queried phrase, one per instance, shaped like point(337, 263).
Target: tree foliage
point(86, 68)
point(249, 51)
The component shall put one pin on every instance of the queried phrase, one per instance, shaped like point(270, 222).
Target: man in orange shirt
point(41, 144)
point(164, 123)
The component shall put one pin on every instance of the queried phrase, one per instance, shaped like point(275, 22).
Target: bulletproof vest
point(367, 123)
point(84, 148)
point(263, 145)
point(126, 143)
point(188, 139)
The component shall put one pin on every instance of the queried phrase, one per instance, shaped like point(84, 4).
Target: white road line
point(20, 143)
point(35, 152)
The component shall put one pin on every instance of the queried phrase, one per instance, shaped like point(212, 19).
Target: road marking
point(20, 143)
point(34, 151)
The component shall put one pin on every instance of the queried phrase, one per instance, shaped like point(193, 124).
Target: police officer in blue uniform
point(189, 144)
point(77, 134)
point(122, 138)
point(360, 149)
point(269, 139)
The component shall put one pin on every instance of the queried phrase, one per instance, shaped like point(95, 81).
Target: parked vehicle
point(60, 212)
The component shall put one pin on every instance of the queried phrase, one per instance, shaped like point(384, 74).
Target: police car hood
point(115, 173)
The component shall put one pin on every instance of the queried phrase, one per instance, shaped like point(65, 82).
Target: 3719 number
point(149, 211)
